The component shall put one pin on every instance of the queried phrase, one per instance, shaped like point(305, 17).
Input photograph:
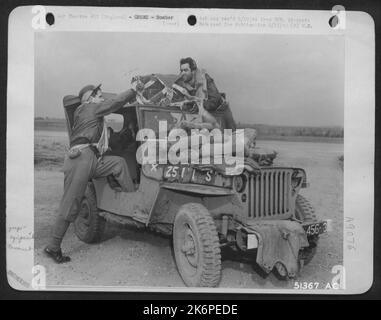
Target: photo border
point(376, 217)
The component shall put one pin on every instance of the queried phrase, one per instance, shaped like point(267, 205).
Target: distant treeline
point(262, 129)
point(286, 131)
point(54, 124)
point(49, 124)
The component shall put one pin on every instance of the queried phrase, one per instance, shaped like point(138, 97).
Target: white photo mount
point(27, 25)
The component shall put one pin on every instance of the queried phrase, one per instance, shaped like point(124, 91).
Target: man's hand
point(189, 106)
point(137, 84)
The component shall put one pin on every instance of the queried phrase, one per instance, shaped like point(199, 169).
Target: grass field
point(265, 132)
point(49, 150)
point(51, 140)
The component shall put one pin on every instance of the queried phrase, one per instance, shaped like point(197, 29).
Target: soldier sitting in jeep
point(198, 83)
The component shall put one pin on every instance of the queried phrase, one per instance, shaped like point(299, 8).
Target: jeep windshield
point(151, 118)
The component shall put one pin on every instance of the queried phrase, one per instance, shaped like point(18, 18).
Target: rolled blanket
point(216, 147)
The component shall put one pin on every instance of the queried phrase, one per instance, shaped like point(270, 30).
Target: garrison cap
point(89, 87)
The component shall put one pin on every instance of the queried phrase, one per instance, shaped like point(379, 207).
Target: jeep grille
point(269, 193)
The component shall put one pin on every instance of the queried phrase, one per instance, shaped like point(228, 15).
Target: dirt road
point(133, 258)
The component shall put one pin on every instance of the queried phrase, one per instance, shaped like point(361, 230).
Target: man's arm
point(111, 105)
point(214, 97)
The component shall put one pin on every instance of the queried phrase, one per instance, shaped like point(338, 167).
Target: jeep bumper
point(278, 243)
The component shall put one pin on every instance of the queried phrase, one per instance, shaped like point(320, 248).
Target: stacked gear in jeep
point(264, 157)
point(162, 90)
point(159, 89)
point(152, 89)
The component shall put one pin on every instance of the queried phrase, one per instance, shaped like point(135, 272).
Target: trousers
point(78, 172)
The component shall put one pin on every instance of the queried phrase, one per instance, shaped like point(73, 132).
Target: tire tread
point(211, 274)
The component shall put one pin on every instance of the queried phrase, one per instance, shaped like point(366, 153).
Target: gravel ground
point(131, 258)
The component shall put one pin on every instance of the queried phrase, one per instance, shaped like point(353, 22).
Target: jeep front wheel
point(196, 246)
point(89, 226)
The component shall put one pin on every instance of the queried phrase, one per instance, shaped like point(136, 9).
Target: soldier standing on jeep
point(85, 161)
point(198, 83)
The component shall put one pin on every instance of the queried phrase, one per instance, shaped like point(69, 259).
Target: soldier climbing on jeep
point(204, 207)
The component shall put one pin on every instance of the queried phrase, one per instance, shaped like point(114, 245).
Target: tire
point(196, 246)
point(89, 226)
point(303, 210)
point(305, 213)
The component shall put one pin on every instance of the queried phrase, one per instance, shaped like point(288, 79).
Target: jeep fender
point(172, 196)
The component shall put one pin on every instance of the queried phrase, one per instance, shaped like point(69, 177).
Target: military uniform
point(87, 129)
point(203, 86)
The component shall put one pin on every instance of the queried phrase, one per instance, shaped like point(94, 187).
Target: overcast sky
point(269, 79)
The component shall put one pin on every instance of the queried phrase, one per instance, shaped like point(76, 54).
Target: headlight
point(297, 178)
point(239, 183)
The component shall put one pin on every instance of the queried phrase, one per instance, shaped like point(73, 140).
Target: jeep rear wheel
point(196, 246)
point(305, 213)
point(89, 226)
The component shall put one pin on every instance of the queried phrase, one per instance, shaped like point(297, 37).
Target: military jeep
point(259, 211)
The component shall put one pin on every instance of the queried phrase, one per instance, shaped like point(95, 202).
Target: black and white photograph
point(201, 160)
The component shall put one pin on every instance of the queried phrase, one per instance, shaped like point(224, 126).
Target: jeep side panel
point(126, 203)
